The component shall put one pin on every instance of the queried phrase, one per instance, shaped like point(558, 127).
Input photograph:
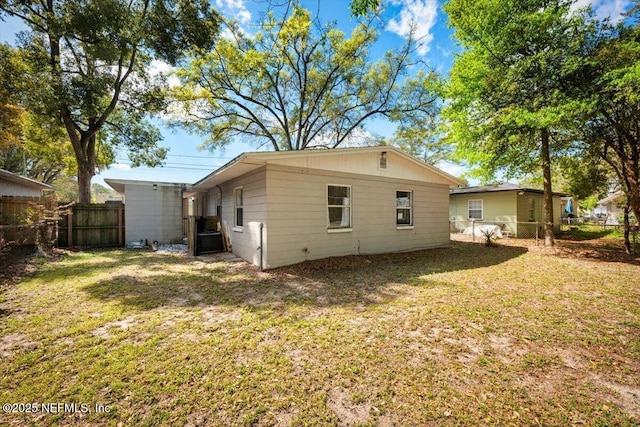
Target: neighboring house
point(109, 198)
point(611, 205)
point(153, 210)
point(290, 206)
point(12, 184)
point(516, 209)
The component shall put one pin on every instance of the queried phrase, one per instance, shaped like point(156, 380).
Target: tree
point(612, 129)
point(512, 104)
point(362, 7)
point(89, 69)
point(295, 85)
point(30, 145)
point(10, 111)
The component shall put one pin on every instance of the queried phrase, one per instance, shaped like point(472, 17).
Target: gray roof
point(612, 198)
point(27, 182)
point(505, 186)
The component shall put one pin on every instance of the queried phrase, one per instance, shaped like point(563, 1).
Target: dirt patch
point(627, 397)
point(18, 262)
point(348, 412)
point(105, 330)
point(13, 343)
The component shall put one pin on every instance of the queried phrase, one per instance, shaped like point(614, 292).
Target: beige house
point(518, 210)
point(290, 206)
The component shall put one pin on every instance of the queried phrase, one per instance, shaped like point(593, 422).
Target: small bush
point(490, 237)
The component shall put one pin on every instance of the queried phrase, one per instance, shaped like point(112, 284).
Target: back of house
point(286, 207)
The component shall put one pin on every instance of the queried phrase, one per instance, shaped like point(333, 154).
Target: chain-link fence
point(478, 230)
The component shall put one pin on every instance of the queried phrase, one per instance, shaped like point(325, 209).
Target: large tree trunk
point(548, 194)
point(85, 174)
point(627, 229)
point(632, 184)
point(84, 148)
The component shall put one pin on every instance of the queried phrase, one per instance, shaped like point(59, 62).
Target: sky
point(186, 163)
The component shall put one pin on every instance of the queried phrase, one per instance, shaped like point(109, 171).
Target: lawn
point(465, 335)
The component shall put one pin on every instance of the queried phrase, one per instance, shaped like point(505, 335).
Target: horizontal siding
point(245, 243)
point(505, 207)
point(8, 188)
point(365, 163)
point(153, 214)
point(297, 216)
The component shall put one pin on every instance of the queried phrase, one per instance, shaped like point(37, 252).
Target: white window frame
point(410, 209)
point(236, 226)
point(481, 209)
point(341, 229)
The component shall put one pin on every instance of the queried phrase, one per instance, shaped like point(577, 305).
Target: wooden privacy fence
point(14, 225)
point(88, 225)
point(92, 225)
point(13, 209)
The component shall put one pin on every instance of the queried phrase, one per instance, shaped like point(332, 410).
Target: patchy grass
point(467, 335)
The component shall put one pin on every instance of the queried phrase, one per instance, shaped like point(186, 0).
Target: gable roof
point(611, 198)
point(250, 161)
point(23, 180)
point(506, 186)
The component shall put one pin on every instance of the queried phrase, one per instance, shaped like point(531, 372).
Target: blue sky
point(186, 163)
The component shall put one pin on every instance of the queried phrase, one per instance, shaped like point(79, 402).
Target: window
point(339, 206)
point(532, 210)
point(239, 207)
point(475, 209)
point(383, 160)
point(403, 208)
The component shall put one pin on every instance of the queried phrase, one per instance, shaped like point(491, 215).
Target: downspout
point(219, 201)
point(260, 247)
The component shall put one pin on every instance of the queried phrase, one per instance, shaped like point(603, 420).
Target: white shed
point(290, 206)
point(153, 210)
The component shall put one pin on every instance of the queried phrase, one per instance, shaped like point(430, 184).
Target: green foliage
point(34, 145)
point(514, 104)
point(490, 237)
point(611, 129)
point(589, 203)
point(513, 80)
point(579, 176)
point(363, 7)
point(42, 217)
point(10, 112)
point(295, 85)
point(88, 67)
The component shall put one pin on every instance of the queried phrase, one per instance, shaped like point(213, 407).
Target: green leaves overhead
point(89, 67)
point(516, 77)
point(296, 84)
point(514, 98)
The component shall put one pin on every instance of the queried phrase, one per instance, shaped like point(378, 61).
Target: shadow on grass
point(99, 260)
point(340, 281)
point(580, 235)
point(596, 250)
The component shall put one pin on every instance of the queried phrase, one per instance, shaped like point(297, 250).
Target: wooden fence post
point(191, 236)
point(70, 228)
point(120, 228)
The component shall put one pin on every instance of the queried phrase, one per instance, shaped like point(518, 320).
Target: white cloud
point(417, 17)
point(234, 8)
point(451, 168)
point(611, 9)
